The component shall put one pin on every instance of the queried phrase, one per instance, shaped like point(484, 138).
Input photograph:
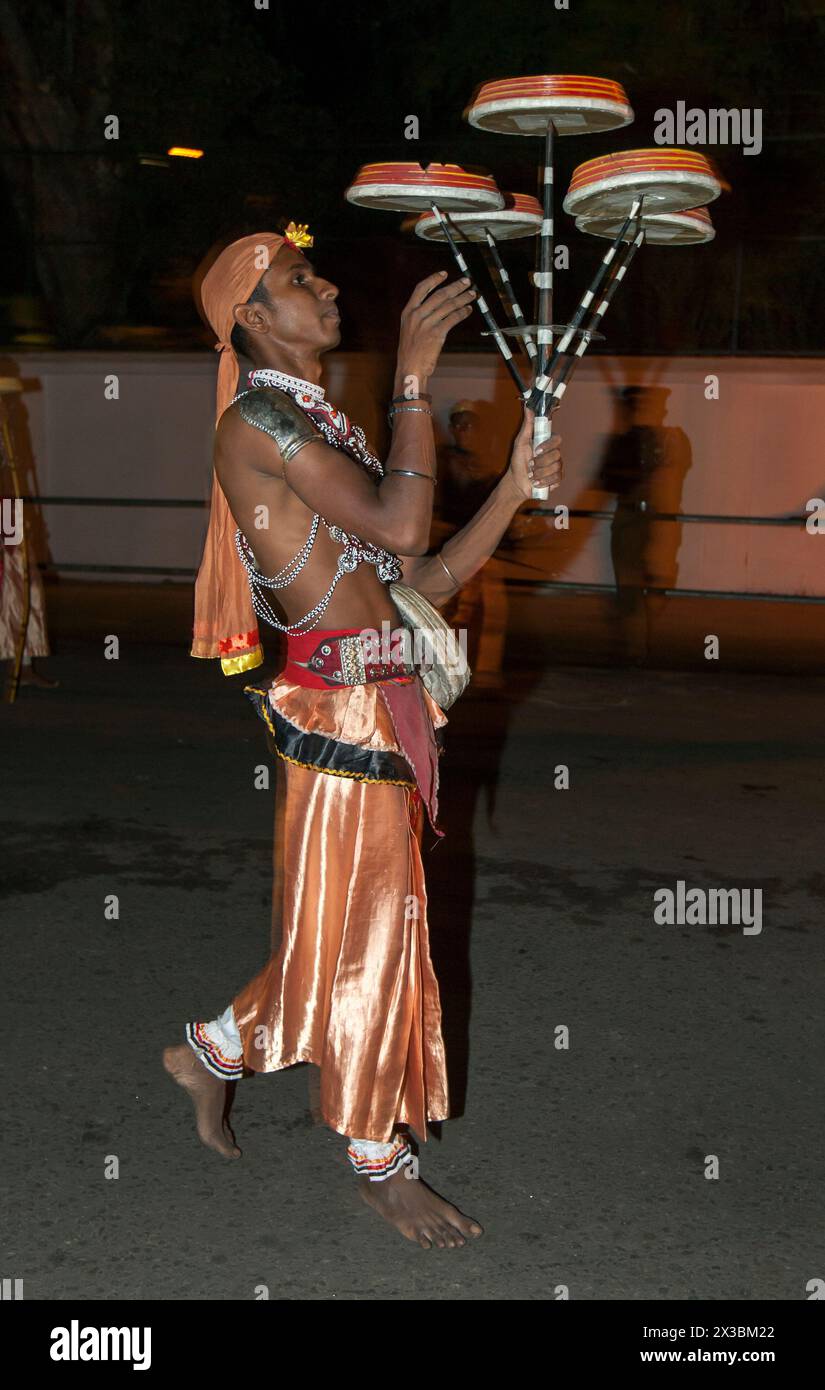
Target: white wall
point(756, 450)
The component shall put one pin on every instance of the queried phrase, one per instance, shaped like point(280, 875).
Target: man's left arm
point(437, 577)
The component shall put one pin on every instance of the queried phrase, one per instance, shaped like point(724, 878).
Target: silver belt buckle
point(352, 660)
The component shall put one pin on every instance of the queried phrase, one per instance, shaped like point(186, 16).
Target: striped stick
point(543, 380)
point(509, 295)
point(543, 281)
point(482, 305)
point(553, 397)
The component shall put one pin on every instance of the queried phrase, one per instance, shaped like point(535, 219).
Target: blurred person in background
point(469, 469)
point(643, 464)
point(22, 600)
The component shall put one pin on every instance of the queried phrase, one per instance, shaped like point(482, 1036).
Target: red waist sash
point(402, 694)
point(300, 647)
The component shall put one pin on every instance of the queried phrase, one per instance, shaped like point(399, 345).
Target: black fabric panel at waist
point(329, 754)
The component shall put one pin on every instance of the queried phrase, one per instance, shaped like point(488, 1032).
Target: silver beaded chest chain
point(338, 431)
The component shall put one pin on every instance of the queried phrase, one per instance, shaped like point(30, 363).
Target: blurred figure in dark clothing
point(644, 465)
point(467, 473)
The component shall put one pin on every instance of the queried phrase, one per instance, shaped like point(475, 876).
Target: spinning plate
point(525, 105)
point(411, 188)
point(671, 180)
point(662, 228)
point(520, 216)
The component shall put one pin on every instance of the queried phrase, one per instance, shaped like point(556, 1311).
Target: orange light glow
point(183, 153)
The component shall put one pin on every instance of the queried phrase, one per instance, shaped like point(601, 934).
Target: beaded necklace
point(339, 432)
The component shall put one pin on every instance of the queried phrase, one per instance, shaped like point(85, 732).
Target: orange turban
point(225, 624)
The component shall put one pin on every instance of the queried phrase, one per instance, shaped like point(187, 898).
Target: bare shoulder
point(245, 435)
point(262, 407)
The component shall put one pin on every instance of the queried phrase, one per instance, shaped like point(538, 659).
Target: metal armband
point(275, 413)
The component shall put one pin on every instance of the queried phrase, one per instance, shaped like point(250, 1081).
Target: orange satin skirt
point(350, 985)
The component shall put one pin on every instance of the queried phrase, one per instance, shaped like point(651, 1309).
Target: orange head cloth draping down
point(225, 625)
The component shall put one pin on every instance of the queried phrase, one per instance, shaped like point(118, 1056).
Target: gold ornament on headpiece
point(298, 236)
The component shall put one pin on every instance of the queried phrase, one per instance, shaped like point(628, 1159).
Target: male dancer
point(350, 986)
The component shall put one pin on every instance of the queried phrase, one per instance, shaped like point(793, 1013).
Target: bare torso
point(360, 599)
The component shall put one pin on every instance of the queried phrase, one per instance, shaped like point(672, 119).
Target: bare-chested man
point(349, 986)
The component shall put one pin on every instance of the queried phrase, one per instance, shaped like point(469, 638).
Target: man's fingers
point(456, 316)
point(552, 442)
point(434, 291)
point(443, 325)
point(440, 301)
point(445, 307)
point(544, 473)
point(424, 287)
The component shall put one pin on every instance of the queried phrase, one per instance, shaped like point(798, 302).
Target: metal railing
point(537, 586)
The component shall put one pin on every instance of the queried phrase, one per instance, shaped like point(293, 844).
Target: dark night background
point(287, 102)
point(586, 1161)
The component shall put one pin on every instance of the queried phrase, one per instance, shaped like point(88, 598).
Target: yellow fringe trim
point(234, 665)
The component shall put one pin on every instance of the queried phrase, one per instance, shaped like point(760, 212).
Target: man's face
point(303, 312)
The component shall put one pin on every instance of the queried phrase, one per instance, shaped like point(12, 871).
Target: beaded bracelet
point(407, 409)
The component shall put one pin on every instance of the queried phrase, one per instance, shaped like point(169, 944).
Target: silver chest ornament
point(355, 551)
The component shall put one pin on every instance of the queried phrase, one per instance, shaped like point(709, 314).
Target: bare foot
point(208, 1096)
point(418, 1212)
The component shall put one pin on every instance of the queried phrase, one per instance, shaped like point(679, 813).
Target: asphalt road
point(587, 1164)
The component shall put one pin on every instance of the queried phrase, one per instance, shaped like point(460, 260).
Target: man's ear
point(251, 317)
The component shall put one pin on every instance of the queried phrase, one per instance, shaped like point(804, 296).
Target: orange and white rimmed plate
point(525, 105)
point(687, 228)
point(671, 180)
point(413, 188)
point(520, 217)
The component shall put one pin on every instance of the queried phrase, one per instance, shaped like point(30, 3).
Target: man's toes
point(424, 1241)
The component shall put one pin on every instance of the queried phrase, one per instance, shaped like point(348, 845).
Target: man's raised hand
point(432, 310)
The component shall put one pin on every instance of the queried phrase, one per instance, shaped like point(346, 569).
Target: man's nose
point(329, 291)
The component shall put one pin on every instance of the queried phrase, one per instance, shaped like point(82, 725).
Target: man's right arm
point(395, 514)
